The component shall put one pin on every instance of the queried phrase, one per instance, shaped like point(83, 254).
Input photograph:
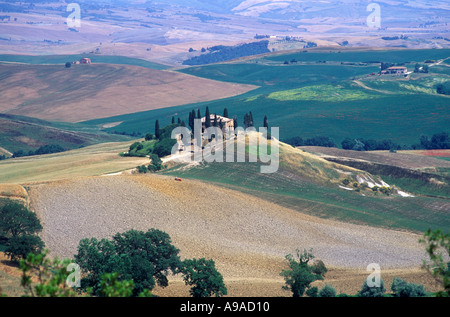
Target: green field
point(62, 59)
point(323, 99)
point(302, 186)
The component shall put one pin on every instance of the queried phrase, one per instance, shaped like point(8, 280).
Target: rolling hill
point(83, 92)
point(332, 93)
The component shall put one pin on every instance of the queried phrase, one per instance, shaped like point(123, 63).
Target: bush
point(367, 291)
point(328, 291)
point(313, 292)
point(401, 288)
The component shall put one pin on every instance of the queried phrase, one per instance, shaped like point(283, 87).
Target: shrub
point(367, 291)
point(328, 291)
point(401, 288)
point(313, 292)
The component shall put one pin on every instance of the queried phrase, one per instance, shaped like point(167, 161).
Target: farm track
point(246, 236)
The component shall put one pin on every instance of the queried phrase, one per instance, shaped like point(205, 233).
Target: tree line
point(438, 141)
point(222, 53)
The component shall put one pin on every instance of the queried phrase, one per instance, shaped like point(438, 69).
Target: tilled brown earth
point(247, 237)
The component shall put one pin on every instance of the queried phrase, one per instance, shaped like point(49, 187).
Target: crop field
point(89, 161)
point(338, 99)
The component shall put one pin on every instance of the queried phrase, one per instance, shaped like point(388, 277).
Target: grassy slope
point(89, 161)
point(309, 99)
point(28, 134)
point(310, 185)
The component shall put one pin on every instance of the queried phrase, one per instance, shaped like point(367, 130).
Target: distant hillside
point(18, 133)
point(83, 92)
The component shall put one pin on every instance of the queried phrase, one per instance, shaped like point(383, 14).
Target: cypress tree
point(199, 116)
point(225, 113)
point(250, 118)
point(215, 120)
point(207, 118)
point(266, 123)
point(157, 132)
point(173, 120)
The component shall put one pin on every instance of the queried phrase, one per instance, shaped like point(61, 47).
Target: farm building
point(395, 70)
point(226, 123)
point(85, 61)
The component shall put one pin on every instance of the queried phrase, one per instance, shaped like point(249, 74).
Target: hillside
point(325, 92)
point(83, 92)
point(19, 133)
point(247, 237)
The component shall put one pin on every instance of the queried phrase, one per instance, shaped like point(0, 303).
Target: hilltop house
point(225, 123)
point(395, 70)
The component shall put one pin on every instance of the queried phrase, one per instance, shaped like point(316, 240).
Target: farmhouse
point(395, 70)
point(85, 61)
point(225, 123)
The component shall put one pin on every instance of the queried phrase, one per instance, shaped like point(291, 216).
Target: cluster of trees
point(443, 88)
point(421, 68)
point(46, 149)
point(222, 53)
point(314, 141)
point(437, 142)
point(129, 265)
point(368, 145)
point(303, 271)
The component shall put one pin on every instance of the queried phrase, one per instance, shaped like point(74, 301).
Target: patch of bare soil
point(247, 237)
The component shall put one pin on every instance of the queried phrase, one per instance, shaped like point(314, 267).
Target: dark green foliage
point(18, 227)
point(68, 64)
point(149, 136)
point(368, 145)
point(46, 149)
point(157, 132)
point(225, 113)
point(401, 288)
point(312, 292)
point(328, 291)
point(438, 141)
point(222, 53)
point(367, 291)
point(22, 245)
point(144, 257)
point(164, 147)
point(156, 164)
point(202, 275)
point(301, 273)
point(443, 88)
point(207, 116)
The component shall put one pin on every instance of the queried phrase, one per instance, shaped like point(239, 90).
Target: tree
point(328, 291)
point(173, 120)
point(18, 227)
point(401, 288)
point(215, 123)
point(437, 246)
point(204, 278)
point(157, 132)
point(199, 115)
point(144, 257)
point(266, 123)
point(207, 118)
point(68, 64)
point(225, 113)
point(301, 274)
point(149, 136)
point(375, 291)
